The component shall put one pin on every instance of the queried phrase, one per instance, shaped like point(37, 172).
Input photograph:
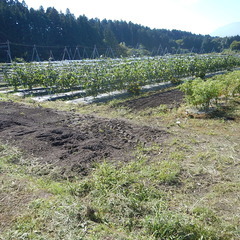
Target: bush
point(235, 45)
point(202, 94)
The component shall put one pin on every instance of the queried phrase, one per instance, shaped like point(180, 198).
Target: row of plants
point(204, 94)
point(110, 75)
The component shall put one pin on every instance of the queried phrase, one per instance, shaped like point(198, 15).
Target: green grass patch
point(124, 201)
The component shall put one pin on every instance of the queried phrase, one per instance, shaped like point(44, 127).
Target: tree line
point(51, 30)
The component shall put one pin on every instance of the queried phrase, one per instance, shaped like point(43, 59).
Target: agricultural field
point(93, 77)
point(156, 164)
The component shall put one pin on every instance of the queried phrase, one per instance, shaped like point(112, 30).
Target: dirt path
point(69, 140)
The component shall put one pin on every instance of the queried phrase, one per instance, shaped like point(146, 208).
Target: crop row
point(111, 75)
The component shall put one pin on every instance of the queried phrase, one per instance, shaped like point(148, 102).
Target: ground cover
point(119, 170)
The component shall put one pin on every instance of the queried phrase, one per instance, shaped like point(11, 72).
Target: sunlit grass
point(186, 187)
point(142, 199)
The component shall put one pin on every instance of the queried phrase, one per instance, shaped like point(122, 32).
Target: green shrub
point(201, 93)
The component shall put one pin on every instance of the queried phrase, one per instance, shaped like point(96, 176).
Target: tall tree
point(52, 28)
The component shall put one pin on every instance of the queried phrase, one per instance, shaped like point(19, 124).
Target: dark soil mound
point(69, 140)
point(172, 98)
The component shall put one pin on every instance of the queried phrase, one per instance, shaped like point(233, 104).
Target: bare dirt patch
point(172, 98)
point(69, 140)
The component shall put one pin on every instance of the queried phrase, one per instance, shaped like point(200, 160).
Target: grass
point(186, 188)
point(171, 191)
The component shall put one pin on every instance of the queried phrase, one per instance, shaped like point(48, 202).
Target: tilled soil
point(172, 98)
point(71, 141)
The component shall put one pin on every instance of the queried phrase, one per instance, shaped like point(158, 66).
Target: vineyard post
point(51, 57)
point(95, 53)
point(35, 54)
point(77, 53)
point(160, 50)
point(65, 52)
point(9, 51)
point(109, 52)
point(165, 51)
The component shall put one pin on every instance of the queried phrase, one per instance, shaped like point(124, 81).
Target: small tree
point(235, 45)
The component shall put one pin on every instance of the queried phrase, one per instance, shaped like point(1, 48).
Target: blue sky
point(197, 16)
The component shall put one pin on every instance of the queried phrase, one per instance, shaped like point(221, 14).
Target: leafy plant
point(104, 76)
point(202, 94)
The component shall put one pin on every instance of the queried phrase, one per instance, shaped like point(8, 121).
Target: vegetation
point(235, 45)
point(184, 188)
point(51, 31)
point(104, 76)
point(138, 200)
point(202, 93)
point(125, 202)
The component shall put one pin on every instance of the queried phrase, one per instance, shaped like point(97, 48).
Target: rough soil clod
point(71, 140)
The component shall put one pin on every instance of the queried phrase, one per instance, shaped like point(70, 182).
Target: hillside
point(57, 35)
point(232, 29)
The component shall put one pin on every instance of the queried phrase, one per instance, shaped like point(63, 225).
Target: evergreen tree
point(49, 27)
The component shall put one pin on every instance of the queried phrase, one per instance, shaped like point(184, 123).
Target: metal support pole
point(95, 53)
point(65, 52)
point(77, 53)
point(35, 54)
point(9, 51)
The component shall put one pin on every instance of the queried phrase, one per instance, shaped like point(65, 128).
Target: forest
point(40, 34)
